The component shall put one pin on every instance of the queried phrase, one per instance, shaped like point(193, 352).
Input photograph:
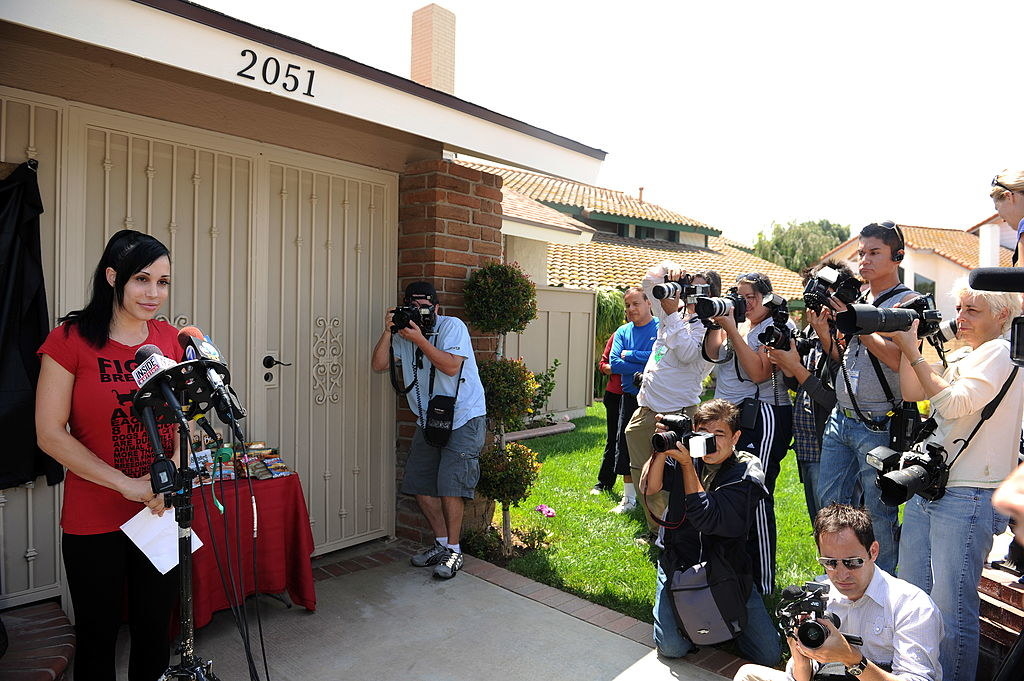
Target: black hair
point(714, 280)
point(838, 265)
point(127, 252)
point(889, 233)
point(759, 282)
point(838, 517)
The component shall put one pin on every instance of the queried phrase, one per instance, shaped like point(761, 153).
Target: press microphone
point(152, 364)
point(198, 346)
point(1010, 279)
point(162, 472)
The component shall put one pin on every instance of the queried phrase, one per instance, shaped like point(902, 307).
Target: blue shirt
point(451, 336)
point(630, 350)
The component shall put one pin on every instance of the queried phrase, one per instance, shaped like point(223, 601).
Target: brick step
point(1001, 613)
point(1002, 586)
point(996, 632)
point(42, 643)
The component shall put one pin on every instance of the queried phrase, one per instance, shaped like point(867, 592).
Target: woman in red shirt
point(84, 421)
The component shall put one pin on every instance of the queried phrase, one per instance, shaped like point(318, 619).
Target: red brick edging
point(711, 659)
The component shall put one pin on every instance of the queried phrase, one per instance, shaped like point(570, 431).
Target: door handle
point(269, 362)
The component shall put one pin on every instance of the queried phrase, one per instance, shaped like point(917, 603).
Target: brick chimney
point(433, 48)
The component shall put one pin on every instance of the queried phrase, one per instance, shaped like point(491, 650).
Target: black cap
point(422, 289)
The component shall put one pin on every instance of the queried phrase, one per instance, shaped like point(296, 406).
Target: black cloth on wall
point(24, 323)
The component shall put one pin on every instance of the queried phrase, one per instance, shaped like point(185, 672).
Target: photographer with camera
point(810, 365)
point(631, 348)
point(675, 371)
point(746, 377)
point(948, 535)
point(711, 506)
point(867, 393)
point(896, 622)
point(444, 392)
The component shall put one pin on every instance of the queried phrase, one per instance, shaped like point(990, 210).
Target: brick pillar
point(449, 225)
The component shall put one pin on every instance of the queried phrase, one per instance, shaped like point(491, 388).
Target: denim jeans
point(759, 642)
point(809, 477)
point(942, 551)
point(843, 447)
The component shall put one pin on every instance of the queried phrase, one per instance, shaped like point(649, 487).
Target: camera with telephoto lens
point(828, 282)
point(681, 288)
point(861, 318)
point(424, 317)
point(731, 303)
point(680, 429)
point(921, 470)
point(801, 608)
point(778, 335)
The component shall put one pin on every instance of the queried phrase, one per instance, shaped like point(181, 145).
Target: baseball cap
point(422, 289)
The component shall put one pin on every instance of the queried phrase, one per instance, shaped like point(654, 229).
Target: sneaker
point(598, 489)
point(432, 556)
point(625, 506)
point(647, 540)
point(451, 564)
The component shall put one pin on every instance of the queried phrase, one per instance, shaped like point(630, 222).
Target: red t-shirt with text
point(101, 419)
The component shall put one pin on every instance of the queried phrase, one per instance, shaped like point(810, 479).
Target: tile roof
point(956, 245)
point(597, 199)
point(516, 206)
point(614, 261)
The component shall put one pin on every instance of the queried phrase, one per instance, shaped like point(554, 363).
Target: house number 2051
point(290, 76)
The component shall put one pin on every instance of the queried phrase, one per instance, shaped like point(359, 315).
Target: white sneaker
point(625, 506)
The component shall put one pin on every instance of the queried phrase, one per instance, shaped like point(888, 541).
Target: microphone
point(153, 364)
point(198, 346)
point(162, 473)
point(1010, 279)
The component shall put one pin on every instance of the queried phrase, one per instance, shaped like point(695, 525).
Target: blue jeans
point(809, 477)
point(758, 643)
point(942, 551)
point(843, 447)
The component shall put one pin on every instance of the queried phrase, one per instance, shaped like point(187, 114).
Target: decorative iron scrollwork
point(327, 352)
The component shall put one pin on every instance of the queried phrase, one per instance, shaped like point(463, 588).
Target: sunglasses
point(997, 183)
point(848, 563)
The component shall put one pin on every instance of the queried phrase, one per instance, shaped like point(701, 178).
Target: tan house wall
point(531, 255)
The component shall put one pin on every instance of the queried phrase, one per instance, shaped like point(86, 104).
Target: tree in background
point(611, 314)
point(798, 245)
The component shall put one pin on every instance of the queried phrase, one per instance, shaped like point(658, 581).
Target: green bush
point(611, 314)
point(500, 298)
point(545, 386)
point(507, 474)
point(509, 390)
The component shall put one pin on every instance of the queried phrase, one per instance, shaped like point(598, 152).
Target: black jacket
point(24, 323)
point(716, 520)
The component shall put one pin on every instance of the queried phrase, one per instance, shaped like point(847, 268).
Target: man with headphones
point(868, 394)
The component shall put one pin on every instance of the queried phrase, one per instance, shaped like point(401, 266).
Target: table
point(283, 546)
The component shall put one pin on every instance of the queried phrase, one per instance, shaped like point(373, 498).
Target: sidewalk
point(379, 618)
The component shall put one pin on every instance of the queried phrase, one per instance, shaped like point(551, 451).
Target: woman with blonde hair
point(1008, 196)
point(945, 540)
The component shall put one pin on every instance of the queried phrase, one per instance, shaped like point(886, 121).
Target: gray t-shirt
point(735, 388)
point(862, 375)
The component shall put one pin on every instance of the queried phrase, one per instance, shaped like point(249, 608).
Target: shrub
point(545, 386)
point(500, 298)
point(509, 389)
point(507, 473)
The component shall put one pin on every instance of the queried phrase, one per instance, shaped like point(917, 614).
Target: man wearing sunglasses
point(899, 624)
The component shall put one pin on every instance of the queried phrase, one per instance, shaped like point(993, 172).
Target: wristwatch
point(858, 669)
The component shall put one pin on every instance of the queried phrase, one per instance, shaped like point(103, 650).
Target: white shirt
point(974, 381)
point(675, 372)
point(899, 623)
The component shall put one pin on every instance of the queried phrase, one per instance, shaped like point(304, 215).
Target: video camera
point(861, 318)
point(731, 303)
point(921, 470)
point(680, 429)
point(683, 288)
point(828, 282)
point(801, 608)
point(424, 317)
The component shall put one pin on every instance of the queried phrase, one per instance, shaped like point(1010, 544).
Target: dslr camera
point(828, 282)
point(683, 288)
point(778, 335)
point(680, 429)
point(424, 317)
point(861, 318)
point(921, 470)
point(731, 303)
point(801, 608)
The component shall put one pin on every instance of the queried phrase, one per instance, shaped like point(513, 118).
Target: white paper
point(157, 537)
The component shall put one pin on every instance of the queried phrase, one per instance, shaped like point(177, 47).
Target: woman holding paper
point(84, 421)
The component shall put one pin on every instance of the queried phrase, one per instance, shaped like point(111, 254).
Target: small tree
point(611, 314)
point(506, 475)
point(509, 390)
point(796, 246)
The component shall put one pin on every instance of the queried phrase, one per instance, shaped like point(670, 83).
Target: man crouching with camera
point(441, 383)
point(948, 479)
point(897, 624)
point(705, 589)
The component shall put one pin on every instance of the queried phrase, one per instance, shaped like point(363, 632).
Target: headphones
point(758, 281)
point(900, 252)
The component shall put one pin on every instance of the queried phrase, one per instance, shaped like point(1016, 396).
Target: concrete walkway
point(380, 619)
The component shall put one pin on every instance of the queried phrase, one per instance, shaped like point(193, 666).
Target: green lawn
point(592, 552)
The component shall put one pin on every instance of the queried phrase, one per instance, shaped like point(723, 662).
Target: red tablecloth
point(283, 546)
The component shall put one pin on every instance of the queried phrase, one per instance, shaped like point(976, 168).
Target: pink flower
point(545, 510)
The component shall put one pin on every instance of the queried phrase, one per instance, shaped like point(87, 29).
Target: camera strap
point(396, 383)
point(986, 414)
